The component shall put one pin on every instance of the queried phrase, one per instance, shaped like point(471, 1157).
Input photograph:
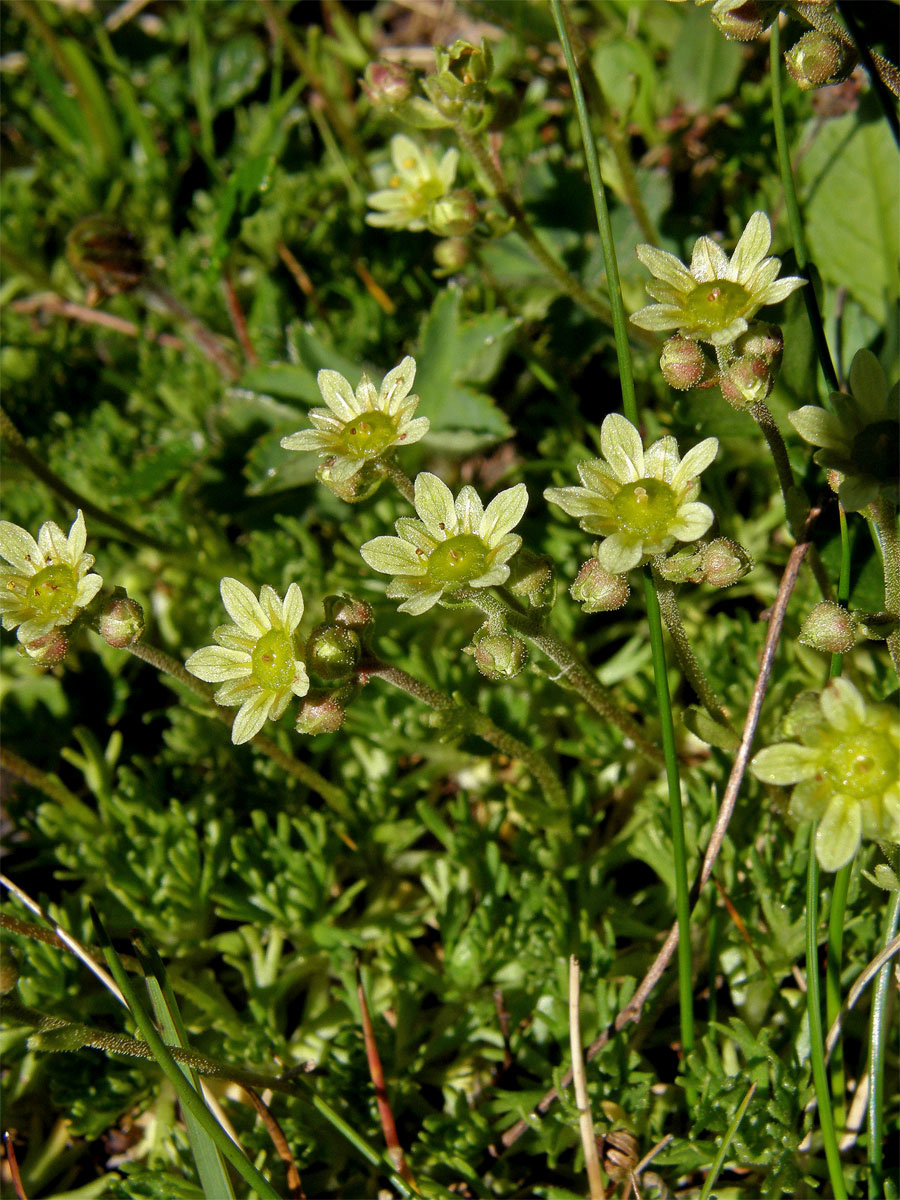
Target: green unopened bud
point(829, 628)
point(387, 84)
point(532, 578)
point(454, 215)
point(359, 487)
point(121, 622)
point(105, 254)
point(499, 655)
point(333, 652)
point(746, 382)
point(817, 59)
point(598, 590)
point(684, 364)
point(320, 712)
point(684, 566)
point(761, 341)
point(468, 63)
point(743, 20)
point(451, 255)
point(724, 562)
point(347, 610)
point(9, 969)
point(47, 651)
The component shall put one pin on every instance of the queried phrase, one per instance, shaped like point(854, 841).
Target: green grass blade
point(732, 1129)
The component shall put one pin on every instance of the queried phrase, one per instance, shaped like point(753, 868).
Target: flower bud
point(333, 651)
point(532, 578)
point(451, 254)
point(743, 20)
point(49, 650)
point(724, 562)
point(387, 84)
point(598, 590)
point(347, 610)
point(454, 214)
point(358, 487)
point(498, 655)
point(829, 628)
point(320, 712)
point(762, 341)
point(121, 622)
point(105, 254)
point(817, 59)
point(683, 363)
point(746, 382)
point(683, 566)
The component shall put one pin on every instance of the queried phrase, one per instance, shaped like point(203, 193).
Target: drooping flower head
point(48, 582)
point(256, 660)
point(452, 545)
point(357, 427)
point(860, 439)
point(639, 501)
point(417, 183)
point(714, 300)
point(845, 770)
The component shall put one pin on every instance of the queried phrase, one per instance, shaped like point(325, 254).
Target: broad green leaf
point(704, 67)
point(236, 70)
point(270, 468)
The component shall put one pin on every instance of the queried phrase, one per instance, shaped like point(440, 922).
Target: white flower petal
point(434, 504)
point(708, 261)
point(780, 289)
point(619, 555)
point(77, 539)
point(397, 385)
point(233, 638)
point(270, 603)
point(839, 832)
point(695, 462)
point(421, 602)
point(415, 533)
point(622, 448)
point(842, 705)
point(306, 439)
point(300, 682)
point(413, 431)
point(52, 541)
point(503, 513)
point(235, 691)
point(292, 607)
point(393, 556)
point(88, 587)
point(752, 247)
point(785, 763)
point(574, 501)
point(666, 266)
point(506, 549)
point(337, 393)
point(19, 548)
point(496, 576)
point(215, 664)
point(658, 317)
point(366, 397)
point(243, 607)
point(691, 521)
point(661, 459)
point(598, 477)
point(469, 509)
point(251, 717)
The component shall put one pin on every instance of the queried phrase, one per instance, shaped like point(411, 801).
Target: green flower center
point(51, 592)
point(715, 304)
point(368, 434)
point(458, 560)
point(876, 451)
point(273, 661)
point(645, 510)
point(861, 765)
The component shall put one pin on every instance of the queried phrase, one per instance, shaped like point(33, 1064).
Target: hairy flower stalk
point(714, 300)
point(48, 582)
point(640, 502)
point(256, 660)
point(845, 772)
point(454, 544)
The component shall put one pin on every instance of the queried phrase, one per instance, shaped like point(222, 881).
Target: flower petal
point(88, 587)
point(752, 247)
point(708, 261)
point(497, 575)
point(575, 501)
point(622, 448)
point(270, 603)
point(77, 538)
point(393, 556)
point(306, 439)
point(292, 607)
point(300, 682)
point(665, 266)
point(251, 717)
point(469, 509)
point(598, 477)
point(661, 460)
point(434, 505)
point(691, 521)
point(695, 462)
point(337, 392)
point(415, 533)
point(503, 513)
point(420, 602)
point(839, 833)
point(396, 385)
point(785, 763)
point(413, 431)
point(618, 555)
point(780, 290)
point(658, 317)
point(243, 607)
point(19, 548)
point(215, 664)
point(842, 705)
point(366, 396)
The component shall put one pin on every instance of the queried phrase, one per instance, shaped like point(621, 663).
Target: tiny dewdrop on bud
point(333, 652)
point(598, 590)
point(498, 655)
point(683, 363)
point(829, 628)
point(724, 562)
point(386, 84)
point(817, 59)
point(320, 712)
point(47, 651)
point(743, 20)
point(121, 622)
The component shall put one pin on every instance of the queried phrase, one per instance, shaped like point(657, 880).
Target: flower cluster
point(415, 188)
point(48, 582)
point(256, 659)
point(452, 545)
point(714, 300)
point(357, 427)
point(639, 501)
point(845, 770)
point(860, 439)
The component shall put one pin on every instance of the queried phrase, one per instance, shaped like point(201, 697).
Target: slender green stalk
point(710, 1181)
point(619, 320)
point(676, 817)
point(836, 914)
point(397, 476)
point(762, 415)
point(885, 521)
point(333, 796)
point(814, 1010)
point(843, 592)
point(687, 660)
point(576, 674)
point(477, 722)
point(877, 1048)
point(793, 211)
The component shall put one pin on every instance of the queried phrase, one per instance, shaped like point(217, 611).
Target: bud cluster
point(720, 563)
point(334, 650)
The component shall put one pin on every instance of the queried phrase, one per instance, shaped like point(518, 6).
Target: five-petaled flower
point(48, 582)
point(454, 544)
point(714, 300)
point(845, 770)
point(416, 184)
point(640, 501)
point(357, 427)
point(256, 660)
point(860, 439)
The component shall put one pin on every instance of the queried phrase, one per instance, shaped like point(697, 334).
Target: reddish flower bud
point(683, 363)
point(49, 650)
point(451, 254)
point(817, 59)
point(725, 562)
point(387, 84)
point(121, 622)
point(598, 590)
point(500, 655)
point(829, 628)
point(320, 712)
point(743, 20)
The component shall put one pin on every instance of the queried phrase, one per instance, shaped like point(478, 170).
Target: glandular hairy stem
point(687, 660)
point(884, 518)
